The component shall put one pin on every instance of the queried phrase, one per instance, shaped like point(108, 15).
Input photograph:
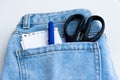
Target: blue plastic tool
point(50, 33)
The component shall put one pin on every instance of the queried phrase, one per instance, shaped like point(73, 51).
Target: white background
point(12, 10)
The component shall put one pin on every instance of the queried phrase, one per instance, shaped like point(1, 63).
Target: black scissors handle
point(74, 37)
point(88, 26)
point(81, 33)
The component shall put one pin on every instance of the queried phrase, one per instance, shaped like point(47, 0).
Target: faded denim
point(66, 61)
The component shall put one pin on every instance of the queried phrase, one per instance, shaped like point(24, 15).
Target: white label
point(38, 39)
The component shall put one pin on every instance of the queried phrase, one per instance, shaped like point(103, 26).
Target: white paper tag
point(38, 39)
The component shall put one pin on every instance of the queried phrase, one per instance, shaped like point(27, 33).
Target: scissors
point(83, 28)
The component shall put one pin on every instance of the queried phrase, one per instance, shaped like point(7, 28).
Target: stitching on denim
point(40, 50)
point(97, 61)
point(47, 53)
point(20, 69)
point(46, 22)
point(26, 71)
point(23, 70)
point(100, 68)
point(18, 61)
point(20, 33)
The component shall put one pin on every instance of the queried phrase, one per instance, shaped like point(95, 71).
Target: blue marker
point(50, 33)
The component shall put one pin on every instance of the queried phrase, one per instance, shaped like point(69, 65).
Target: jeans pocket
point(67, 61)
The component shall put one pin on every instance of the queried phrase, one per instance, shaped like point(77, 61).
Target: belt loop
point(26, 21)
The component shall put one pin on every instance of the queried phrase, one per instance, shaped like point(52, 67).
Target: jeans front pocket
point(67, 61)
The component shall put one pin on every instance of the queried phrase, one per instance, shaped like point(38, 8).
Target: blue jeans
point(66, 61)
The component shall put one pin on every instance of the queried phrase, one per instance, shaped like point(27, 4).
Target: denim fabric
point(66, 61)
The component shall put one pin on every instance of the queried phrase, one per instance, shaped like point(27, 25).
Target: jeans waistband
point(44, 18)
